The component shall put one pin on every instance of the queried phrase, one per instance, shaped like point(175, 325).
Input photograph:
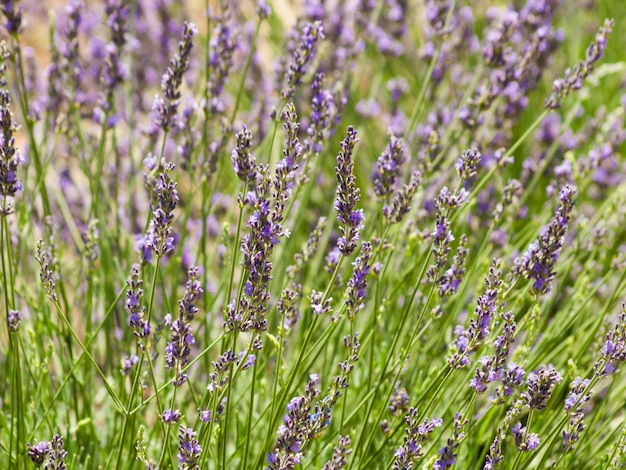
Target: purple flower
point(540, 386)
point(448, 453)
point(52, 453)
point(348, 196)
point(179, 347)
point(302, 57)
point(492, 368)
point(9, 154)
point(524, 441)
point(38, 452)
point(613, 351)
point(578, 396)
point(189, 449)
point(388, 167)
point(318, 305)
point(170, 416)
point(114, 72)
point(204, 415)
point(338, 460)
point(415, 435)
point(163, 200)
point(402, 199)
point(467, 165)
point(13, 14)
point(539, 260)
point(292, 434)
point(451, 280)
point(289, 305)
point(322, 105)
point(14, 318)
point(167, 106)
point(136, 311)
point(573, 80)
point(222, 47)
point(243, 161)
point(128, 363)
point(442, 235)
point(357, 284)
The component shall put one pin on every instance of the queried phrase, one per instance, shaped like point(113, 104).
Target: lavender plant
point(427, 270)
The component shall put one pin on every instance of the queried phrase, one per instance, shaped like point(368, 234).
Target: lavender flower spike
point(538, 262)
point(243, 161)
point(322, 104)
point(401, 201)
point(173, 78)
point(416, 434)
point(573, 80)
point(338, 460)
point(574, 403)
point(292, 434)
point(614, 349)
point(9, 154)
point(388, 167)
point(479, 328)
point(301, 59)
point(178, 349)
point(164, 199)
point(14, 318)
point(355, 293)
point(13, 14)
point(189, 449)
point(136, 311)
point(468, 163)
point(540, 387)
point(51, 453)
point(348, 196)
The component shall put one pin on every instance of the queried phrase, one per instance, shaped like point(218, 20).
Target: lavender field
point(328, 234)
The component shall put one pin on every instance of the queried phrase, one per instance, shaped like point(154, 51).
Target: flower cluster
point(388, 167)
point(467, 165)
point(401, 201)
point(357, 284)
point(338, 460)
point(178, 349)
point(159, 237)
point(47, 274)
point(451, 280)
point(52, 453)
point(578, 396)
point(448, 453)
point(348, 196)
point(416, 434)
point(442, 235)
point(479, 327)
point(492, 368)
point(14, 318)
point(614, 349)
point(302, 58)
point(114, 72)
point(574, 79)
point(243, 161)
point(136, 311)
point(524, 441)
point(293, 433)
point(222, 47)
point(322, 106)
point(167, 106)
point(539, 260)
point(13, 13)
point(189, 449)
point(540, 386)
point(9, 154)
